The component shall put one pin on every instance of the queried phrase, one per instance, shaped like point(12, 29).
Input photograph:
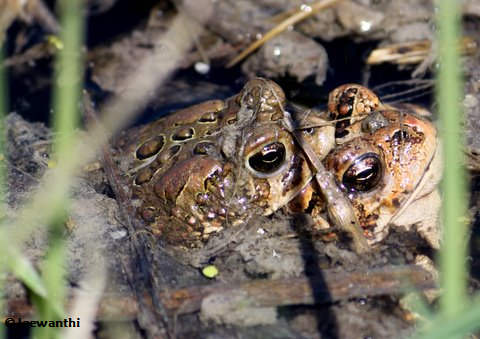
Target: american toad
point(386, 160)
point(215, 164)
point(390, 173)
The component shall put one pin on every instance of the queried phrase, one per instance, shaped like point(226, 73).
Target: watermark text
point(18, 322)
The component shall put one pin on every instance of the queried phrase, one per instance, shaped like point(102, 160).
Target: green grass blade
point(449, 93)
point(3, 112)
point(455, 318)
point(66, 103)
point(69, 76)
point(54, 274)
point(23, 269)
point(458, 325)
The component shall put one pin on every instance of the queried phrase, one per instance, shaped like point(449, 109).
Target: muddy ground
point(147, 282)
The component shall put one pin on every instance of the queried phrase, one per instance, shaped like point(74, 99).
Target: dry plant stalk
point(413, 52)
point(86, 301)
point(296, 17)
point(26, 10)
point(340, 209)
point(332, 286)
point(9, 11)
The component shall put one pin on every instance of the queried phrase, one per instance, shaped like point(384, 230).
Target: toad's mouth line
point(421, 184)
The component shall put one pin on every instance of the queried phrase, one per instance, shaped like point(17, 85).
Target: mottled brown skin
point(381, 168)
point(348, 104)
point(386, 160)
point(215, 164)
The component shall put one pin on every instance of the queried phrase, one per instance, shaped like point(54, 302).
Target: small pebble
point(118, 234)
point(202, 67)
point(365, 26)
point(470, 101)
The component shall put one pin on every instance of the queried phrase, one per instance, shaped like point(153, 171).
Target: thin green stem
point(69, 75)
point(66, 104)
point(458, 325)
point(3, 185)
point(449, 93)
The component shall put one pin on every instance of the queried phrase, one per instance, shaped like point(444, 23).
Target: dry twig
point(331, 287)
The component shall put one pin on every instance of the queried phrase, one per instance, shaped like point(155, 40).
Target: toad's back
point(214, 164)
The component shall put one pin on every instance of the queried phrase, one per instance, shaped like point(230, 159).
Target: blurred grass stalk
point(43, 209)
point(3, 113)
point(150, 74)
point(453, 255)
point(66, 107)
point(454, 326)
point(68, 75)
point(457, 315)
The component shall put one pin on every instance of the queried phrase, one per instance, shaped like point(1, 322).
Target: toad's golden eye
point(269, 159)
point(364, 174)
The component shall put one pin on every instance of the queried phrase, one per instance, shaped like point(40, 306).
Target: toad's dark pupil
point(309, 130)
point(269, 159)
point(364, 174)
point(270, 156)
